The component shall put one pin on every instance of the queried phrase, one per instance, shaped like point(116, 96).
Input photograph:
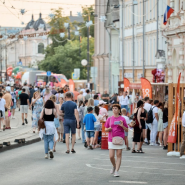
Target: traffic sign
point(48, 73)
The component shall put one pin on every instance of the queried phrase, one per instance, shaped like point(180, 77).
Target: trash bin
point(104, 138)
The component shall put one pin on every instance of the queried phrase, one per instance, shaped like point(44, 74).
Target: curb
point(17, 145)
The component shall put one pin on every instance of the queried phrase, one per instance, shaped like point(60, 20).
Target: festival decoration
point(173, 126)
point(88, 24)
point(103, 18)
point(126, 84)
point(158, 75)
point(79, 14)
point(146, 88)
point(22, 11)
point(18, 76)
point(71, 85)
point(62, 35)
point(51, 15)
point(9, 71)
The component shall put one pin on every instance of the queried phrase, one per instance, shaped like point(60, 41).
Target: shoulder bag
point(41, 123)
point(117, 140)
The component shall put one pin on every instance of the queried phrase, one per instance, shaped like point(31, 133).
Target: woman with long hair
point(141, 117)
point(97, 126)
point(160, 123)
point(138, 128)
point(56, 120)
point(37, 102)
point(116, 125)
point(48, 114)
point(90, 103)
point(165, 125)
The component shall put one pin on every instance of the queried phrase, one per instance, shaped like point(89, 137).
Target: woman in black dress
point(140, 115)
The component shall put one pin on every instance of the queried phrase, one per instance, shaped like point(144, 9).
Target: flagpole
point(157, 22)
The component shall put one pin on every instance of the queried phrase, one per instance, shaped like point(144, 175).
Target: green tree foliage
point(68, 57)
point(87, 14)
point(62, 56)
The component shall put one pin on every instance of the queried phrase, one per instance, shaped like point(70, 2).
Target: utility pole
point(122, 30)
point(157, 24)
point(88, 62)
point(133, 46)
point(143, 39)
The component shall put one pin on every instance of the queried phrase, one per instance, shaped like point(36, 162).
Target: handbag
point(41, 123)
point(117, 140)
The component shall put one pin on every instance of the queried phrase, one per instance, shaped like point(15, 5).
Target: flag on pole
point(167, 14)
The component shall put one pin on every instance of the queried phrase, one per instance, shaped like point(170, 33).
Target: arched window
point(41, 48)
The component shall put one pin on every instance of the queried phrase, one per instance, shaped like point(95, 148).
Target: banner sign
point(126, 85)
point(173, 127)
point(146, 88)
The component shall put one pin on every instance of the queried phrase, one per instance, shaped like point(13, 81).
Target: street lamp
point(67, 26)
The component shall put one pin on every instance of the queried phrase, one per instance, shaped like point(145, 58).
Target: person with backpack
point(154, 125)
point(147, 107)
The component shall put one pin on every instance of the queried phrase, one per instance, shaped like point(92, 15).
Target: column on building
point(169, 65)
point(181, 59)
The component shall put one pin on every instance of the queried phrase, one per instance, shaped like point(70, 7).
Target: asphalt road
point(27, 166)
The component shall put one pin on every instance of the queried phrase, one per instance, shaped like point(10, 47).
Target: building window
point(41, 48)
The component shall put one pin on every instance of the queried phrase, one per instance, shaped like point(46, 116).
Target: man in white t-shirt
point(2, 108)
point(154, 125)
point(123, 101)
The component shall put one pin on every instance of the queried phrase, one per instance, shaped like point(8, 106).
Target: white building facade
point(27, 45)
point(129, 55)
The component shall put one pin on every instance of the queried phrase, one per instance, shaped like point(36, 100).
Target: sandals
point(133, 151)
point(54, 150)
point(139, 151)
point(73, 151)
point(67, 152)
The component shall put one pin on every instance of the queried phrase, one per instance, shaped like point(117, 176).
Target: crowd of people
point(65, 112)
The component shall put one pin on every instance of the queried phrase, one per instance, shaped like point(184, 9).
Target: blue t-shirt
point(96, 102)
point(89, 120)
point(69, 108)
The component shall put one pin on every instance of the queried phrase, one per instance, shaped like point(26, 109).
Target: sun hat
point(101, 102)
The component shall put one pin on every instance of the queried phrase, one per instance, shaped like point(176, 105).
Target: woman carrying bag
point(116, 125)
point(48, 114)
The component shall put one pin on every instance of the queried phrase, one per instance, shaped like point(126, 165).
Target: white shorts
point(116, 147)
point(24, 108)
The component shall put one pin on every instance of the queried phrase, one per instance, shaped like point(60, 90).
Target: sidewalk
point(18, 131)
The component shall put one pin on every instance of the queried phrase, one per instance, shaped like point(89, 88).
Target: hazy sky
point(11, 17)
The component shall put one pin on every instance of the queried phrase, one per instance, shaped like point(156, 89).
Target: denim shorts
point(165, 125)
point(14, 105)
point(124, 106)
point(69, 124)
point(126, 134)
point(90, 134)
point(148, 126)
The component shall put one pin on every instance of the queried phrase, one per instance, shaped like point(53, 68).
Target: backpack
point(150, 116)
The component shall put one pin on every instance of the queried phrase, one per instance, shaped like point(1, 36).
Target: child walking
point(89, 121)
point(124, 113)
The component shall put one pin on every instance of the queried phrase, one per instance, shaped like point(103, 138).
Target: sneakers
point(156, 144)
point(91, 147)
point(161, 144)
point(116, 174)
point(13, 117)
point(51, 154)
point(46, 156)
point(26, 121)
point(79, 138)
point(182, 157)
point(151, 144)
point(22, 123)
point(113, 170)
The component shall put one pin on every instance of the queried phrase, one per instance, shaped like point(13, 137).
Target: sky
point(10, 15)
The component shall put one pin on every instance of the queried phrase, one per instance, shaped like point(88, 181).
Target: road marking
point(142, 161)
point(141, 168)
point(131, 182)
point(141, 157)
point(90, 166)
